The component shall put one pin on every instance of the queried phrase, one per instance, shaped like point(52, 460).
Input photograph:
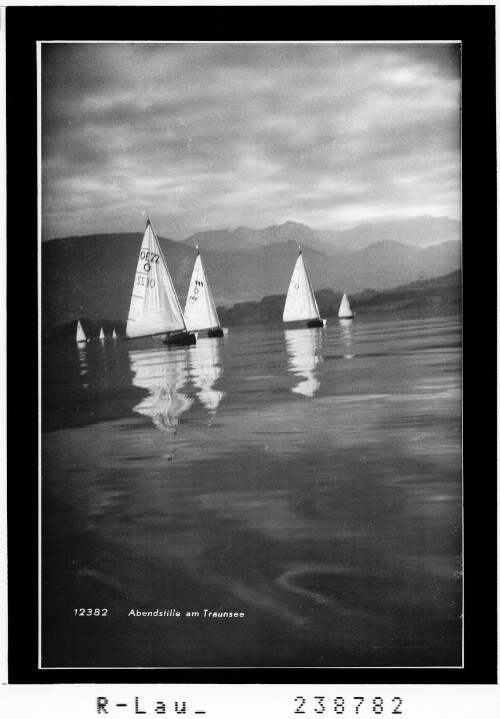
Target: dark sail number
point(149, 256)
point(145, 281)
point(196, 290)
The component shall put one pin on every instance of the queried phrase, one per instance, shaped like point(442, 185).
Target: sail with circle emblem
point(154, 307)
point(300, 301)
point(200, 312)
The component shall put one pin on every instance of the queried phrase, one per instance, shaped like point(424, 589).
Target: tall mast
point(166, 268)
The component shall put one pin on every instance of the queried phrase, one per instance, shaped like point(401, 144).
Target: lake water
point(308, 478)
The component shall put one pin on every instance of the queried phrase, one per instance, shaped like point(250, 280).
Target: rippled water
point(309, 478)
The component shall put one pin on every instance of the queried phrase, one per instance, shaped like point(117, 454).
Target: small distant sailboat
point(345, 312)
point(154, 306)
point(80, 334)
point(300, 301)
point(115, 336)
point(101, 334)
point(200, 312)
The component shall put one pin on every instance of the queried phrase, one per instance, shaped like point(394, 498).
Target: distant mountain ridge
point(92, 276)
point(422, 231)
point(245, 239)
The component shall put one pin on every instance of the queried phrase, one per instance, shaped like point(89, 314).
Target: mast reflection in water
point(346, 336)
point(304, 355)
point(205, 370)
point(163, 372)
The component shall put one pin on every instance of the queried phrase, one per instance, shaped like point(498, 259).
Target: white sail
point(114, 334)
point(345, 308)
point(154, 307)
point(80, 334)
point(200, 312)
point(101, 334)
point(300, 301)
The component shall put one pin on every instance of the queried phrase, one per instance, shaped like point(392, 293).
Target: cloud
point(221, 135)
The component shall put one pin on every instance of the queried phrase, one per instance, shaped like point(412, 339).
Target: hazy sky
point(207, 136)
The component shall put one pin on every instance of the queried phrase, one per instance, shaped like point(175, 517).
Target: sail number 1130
point(145, 281)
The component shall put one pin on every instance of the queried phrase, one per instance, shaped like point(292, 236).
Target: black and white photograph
point(251, 376)
point(250, 319)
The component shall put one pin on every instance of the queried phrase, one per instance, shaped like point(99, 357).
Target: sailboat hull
point(215, 332)
point(183, 340)
point(316, 322)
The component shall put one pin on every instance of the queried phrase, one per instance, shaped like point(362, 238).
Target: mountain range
point(419, 231)
point(92, 276)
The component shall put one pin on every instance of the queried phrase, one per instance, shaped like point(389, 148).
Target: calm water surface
point(309, 478)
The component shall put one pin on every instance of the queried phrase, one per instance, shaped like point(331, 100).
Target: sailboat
point(115, 336)
point(300, 301)
point(345, 312)
point(200, 312)
point(80, 334)
point(101, 334)
point(154, 306)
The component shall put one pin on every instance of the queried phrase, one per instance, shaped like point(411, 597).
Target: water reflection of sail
point(304, 354)
point(83, 363)
point(205, 370)
point(346, 337)
point(163, 373)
